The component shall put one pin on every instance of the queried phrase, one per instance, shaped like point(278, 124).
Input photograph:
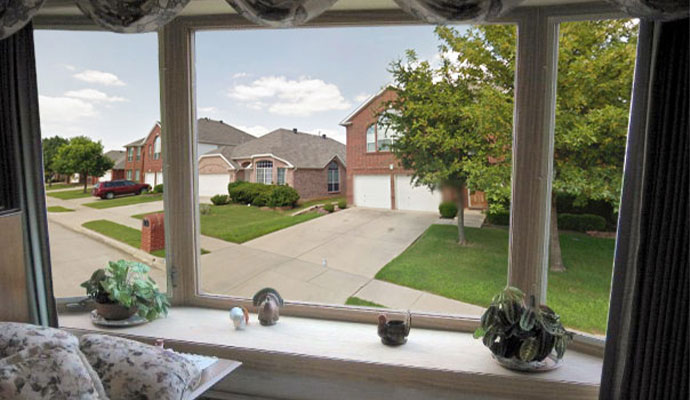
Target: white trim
point(334, 157)
point(364, 105)
point(252, 157)
point(218, 155)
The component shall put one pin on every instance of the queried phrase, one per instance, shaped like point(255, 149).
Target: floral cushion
point(133, 370)
point(49, 370)
point(15, 337)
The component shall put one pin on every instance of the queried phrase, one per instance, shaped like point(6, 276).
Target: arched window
point(157, 148)
point(385, 135)
point(333, 177)
point(371, 138)
point(264, 172)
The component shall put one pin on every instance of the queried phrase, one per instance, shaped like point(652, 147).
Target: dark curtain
point(647, 346)
point(19, 125)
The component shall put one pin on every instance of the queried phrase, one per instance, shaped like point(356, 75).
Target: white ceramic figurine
point(239, 317)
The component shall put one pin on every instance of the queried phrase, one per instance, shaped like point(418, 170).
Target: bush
point(283, 196)
point(260, 195)
point(448, 209)
point(204, 209)
point(158, 188)
point(235, 184)
point(220, 199)
point(498, 218)
point(329, 207)
point(342, 204)
point(581, 222)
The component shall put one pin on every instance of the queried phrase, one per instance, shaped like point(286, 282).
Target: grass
point(125, 201)
point(475, 273)
point(309, 203)
point(356, 301)
point(58, 186)
point(70, 194)
point(238, 223)
point(59, 209)
point(123, 233)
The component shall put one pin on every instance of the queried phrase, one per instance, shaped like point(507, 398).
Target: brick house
point(118, 170)
point(314, 165)
point(375, 177)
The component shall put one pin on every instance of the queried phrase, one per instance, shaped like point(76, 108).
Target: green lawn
point(238, 223)
point(356, 301)
point(70, 194)
point(125, 201)
point(59, 209)
point(306, 204)
point(474, 274)
point(122, 233)
point(57, 186)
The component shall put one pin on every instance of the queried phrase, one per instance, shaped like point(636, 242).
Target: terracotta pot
point(114, 311)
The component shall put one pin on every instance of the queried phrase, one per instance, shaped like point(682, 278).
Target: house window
point(385, 136)
point(264, 172)
point(333, 177)
point(130, 153)
point(138, 153)
point(137, 175)
point(371, 138)
point(129, 174)
point(281, 176)
point(156, 148)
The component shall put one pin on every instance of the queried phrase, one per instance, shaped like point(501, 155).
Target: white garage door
point(212, 184)
point(150, 178)
point(108, 176)
point(415, 198)
point(372, 191)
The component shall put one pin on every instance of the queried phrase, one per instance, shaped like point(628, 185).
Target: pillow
point(134, 370)
point(15, 337)
point(49, 370)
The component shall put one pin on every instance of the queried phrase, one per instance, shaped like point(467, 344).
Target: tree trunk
point(555, 257)
point(462, 240)
point(86, 180)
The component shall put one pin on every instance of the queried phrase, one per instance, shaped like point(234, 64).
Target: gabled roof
point(118, 157)
point(221, 134)
point(137, 143)
point(302, 150)
point(348, 120)
point(225, 152)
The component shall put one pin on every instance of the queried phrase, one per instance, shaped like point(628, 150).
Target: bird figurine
point(268, 303)
point(394, 332)
point(239, 317)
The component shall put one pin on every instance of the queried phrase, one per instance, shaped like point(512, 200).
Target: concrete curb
point(138, 254)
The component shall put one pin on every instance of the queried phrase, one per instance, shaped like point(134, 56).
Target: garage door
point(415, 198)
point(150, 178)
point(107, 177)
point(212, 184)
point(159, 178)
point(372, 191)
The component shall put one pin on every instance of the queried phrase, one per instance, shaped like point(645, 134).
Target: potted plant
point(123, 289)
point(522, 336)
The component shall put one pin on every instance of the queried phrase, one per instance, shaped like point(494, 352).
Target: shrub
point(235, 184)
point(448, 209)
point(283, 196)
point(342, 204)
point(220, 199)
point(581, 222)
point(158, 188)
point(204, 209)
point(329, 207)
point(498, 218)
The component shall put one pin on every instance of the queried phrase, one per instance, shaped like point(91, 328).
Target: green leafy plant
point(329, 207)
point(448, 209)
point(158, 188)
point(500, 217)
point(127, 283)
point(581, 222)
point(512, 329)
point(342, 204)
point(204, 209)
point(220, 199)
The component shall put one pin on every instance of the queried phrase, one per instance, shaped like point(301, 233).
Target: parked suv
point(110, 189)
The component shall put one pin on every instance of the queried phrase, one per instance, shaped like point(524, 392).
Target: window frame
point(137, 175)
point(129, 174)
point(333, 187)
point(281, 177)
point(138, 153)
point(266, 168)
point(371, 131)
point(130, 153)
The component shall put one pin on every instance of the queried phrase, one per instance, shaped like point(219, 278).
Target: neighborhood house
point(375, 178)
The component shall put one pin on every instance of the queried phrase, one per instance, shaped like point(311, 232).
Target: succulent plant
point(510, 328)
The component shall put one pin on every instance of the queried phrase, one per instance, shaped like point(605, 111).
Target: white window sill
point(452, 360)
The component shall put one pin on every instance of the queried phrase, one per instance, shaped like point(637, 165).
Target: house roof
point(225, 151)
point(302, 150)
point(118, 157)
point(348, 120)
point(137, 143)
point(220, 133)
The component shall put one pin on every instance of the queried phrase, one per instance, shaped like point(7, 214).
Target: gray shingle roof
point(303, 150)
point(225, 151)
point(118, 157)
point(137, 143)
point(219, 133)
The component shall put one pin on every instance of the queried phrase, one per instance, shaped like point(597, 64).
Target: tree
point(50, 149)
point(593, 91)
point(84, 156)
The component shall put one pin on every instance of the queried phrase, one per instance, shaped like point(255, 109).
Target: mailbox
point(153, 232)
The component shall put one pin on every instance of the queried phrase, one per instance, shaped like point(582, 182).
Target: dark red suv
point(110, 189)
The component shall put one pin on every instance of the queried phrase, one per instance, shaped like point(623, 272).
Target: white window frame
point(371, 138)
point(281, 175)
point(264, 172)
point(331, 172)
point(157, 147)
point(129, 174)
point(137, 175)
point(138, 153)
point(130, 153)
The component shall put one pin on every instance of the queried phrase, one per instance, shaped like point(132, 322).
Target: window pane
point(371, 138)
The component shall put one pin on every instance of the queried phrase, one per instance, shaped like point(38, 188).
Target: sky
point(105, 85)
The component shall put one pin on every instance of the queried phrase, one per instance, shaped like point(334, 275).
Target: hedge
point(220, 199)
point(498, 218)
point(581, 222)
point(448, 209)
point(158, 188)
point(260, 195)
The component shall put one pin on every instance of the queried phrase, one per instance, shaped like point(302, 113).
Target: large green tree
point(50, 149)
point(84, 156)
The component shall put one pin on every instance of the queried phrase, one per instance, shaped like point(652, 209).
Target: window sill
point(431, 358)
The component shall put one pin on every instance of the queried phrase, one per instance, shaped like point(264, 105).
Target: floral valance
point(133, 16)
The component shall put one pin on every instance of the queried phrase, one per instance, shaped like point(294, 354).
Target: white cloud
point(61, 113)
point(207, 110)
point(256, 130)
point(240, 75)
point(301, 97)
point(100, 77)
point(69, 67)
point(94, 95)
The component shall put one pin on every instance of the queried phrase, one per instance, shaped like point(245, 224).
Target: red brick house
point(314, 165)
point(375, 177)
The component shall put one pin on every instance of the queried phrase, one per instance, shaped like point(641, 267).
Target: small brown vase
point(114, 311)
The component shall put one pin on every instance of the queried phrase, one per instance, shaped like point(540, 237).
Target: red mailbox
point(153, 232)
